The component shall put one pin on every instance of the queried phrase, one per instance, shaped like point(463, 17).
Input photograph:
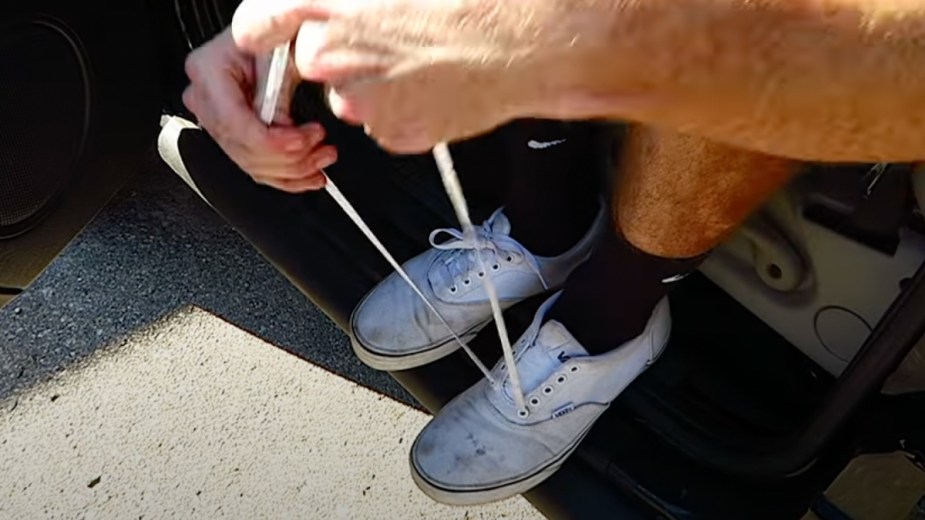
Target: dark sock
point(608, 300)
point(555, 173)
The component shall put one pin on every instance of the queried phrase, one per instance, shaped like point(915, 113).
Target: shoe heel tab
point(660, 327)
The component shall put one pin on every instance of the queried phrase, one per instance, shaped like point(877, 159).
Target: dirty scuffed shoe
point(481, 447)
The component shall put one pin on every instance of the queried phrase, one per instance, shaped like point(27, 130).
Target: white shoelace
point(454, 191)
point(492, 246)
point(470, 239)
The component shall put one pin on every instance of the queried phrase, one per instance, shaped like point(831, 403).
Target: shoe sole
point(484, 496)
point(405, 362)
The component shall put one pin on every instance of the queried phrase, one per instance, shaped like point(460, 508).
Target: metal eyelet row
point(548, 390)
point(480, 274)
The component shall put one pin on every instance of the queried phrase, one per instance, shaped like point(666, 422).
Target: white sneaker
point(482, 448)
point(392, 329)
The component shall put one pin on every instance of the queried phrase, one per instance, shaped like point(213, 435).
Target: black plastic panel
point(80, 118)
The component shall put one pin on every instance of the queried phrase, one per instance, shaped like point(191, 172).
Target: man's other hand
point(223, 85)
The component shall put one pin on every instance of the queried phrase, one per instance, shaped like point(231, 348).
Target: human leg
point(676, 198)
point(553, 190)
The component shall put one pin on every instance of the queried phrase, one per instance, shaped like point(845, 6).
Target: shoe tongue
point(499, 223)
point(553, 347)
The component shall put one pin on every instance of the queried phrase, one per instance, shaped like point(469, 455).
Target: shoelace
point(528, 340)
point(498, 245)
point(278, 64)
point(454, 191)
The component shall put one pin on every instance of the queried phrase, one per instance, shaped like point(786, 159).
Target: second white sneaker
point(482, 447)
point(392, 329)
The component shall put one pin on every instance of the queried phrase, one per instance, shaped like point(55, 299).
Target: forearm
point(840, 80)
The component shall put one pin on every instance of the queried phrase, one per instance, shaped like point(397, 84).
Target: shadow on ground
point(157, 248)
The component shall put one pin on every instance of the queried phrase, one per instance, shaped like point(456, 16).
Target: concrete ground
point(148, 374)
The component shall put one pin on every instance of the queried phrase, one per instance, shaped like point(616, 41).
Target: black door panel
point(79, 104)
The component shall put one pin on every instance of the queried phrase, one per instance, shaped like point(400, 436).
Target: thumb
point(260, 25)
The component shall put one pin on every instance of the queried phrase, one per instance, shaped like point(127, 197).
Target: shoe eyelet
point(574, 368)
point(561, 379)
point(467, 281)
point(522, 414)
point(547, 390)
point(495, 267)
point(509, 259)
point(454, 289)
point(535, 401)
point(482, 274)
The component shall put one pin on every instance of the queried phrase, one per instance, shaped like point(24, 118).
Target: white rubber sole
point(409, 361)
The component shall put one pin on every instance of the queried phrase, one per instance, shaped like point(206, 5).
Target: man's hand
point(223, 85)
point(417, 72)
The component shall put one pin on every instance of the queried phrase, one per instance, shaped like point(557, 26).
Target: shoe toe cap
point(470, 448)
point(392, 320)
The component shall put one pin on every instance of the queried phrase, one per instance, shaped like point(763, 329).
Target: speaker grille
point(44, 119)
